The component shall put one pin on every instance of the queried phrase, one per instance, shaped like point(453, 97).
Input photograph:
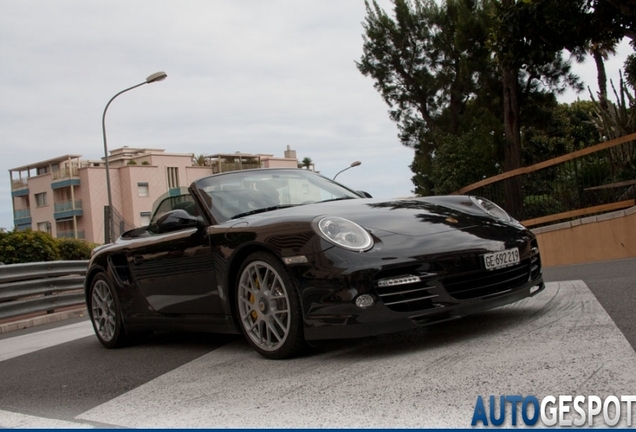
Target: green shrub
point(28, 246)
point(74, 249)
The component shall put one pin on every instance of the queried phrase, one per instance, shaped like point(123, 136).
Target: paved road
point(562, 341)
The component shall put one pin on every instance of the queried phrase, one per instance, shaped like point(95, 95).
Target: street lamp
point(353, 164)
point(108, 214)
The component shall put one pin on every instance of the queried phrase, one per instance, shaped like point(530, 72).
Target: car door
point(175, 270)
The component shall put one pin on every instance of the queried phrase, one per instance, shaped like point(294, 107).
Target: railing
point(593, 180)
point(66, 172)
point(18, 184)
point(21, 213)
point(71, 234)
point(225, 167)
point(68, 205)
point(41, 287)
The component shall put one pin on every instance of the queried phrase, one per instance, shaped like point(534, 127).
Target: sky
point(251, 76)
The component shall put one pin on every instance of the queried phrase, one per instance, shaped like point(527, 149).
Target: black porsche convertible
point(287, 256)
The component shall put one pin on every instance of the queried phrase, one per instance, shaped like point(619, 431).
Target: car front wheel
point(105, 313)
point(268, 307)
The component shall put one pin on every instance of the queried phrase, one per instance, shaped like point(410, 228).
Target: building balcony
point(67, 209)
point(22, 219)
point(19, 188)
point(22, 214)
point(71, 234)
point(225, 167)
point(66, 172)
point(65, 177)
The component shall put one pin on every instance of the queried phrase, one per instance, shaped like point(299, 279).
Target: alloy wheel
point(264, 306)
point(104, 311)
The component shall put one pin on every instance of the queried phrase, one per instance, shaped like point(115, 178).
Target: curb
point(42, 319)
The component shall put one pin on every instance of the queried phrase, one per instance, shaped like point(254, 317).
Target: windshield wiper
point(338, 199)
point(263, 210)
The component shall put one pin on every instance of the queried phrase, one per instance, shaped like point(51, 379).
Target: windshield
point(241, 193)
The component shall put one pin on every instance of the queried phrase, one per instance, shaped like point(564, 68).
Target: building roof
point(46, 163)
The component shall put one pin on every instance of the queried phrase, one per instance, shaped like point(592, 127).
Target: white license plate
point(501, 259)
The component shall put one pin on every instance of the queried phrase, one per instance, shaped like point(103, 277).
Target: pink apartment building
point(66, 196)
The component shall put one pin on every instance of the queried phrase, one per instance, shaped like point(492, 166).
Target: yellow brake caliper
point(252, 300)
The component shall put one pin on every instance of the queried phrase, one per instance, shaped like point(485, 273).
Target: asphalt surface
point(573, 338)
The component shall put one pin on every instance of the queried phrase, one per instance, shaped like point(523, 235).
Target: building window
point(142, 189)
point(173, 177)
point(40, 199)
point(145, 218)
point(44, 226)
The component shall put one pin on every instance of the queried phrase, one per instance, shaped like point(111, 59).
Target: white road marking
point(13, 420)
point(28, 343)
point(560, 342)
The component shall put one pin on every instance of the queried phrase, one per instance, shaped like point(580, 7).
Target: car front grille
point(486, 283)
point(436, 288)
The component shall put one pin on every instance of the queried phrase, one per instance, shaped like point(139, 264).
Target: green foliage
point(438, 65)
point(145, 163)
point(199, 160)
point(630, 70)
point(430, 63)
point(38, 246)
point(463, 160)
point(306, 163)
point(28, 246)
point(559, 130)
point(74, 249)
point(617, 118)
point(540, 205)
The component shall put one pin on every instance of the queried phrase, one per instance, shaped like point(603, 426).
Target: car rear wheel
point(105, 313)
point(268, 307)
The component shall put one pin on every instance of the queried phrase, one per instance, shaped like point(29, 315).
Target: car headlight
point(343, 233)
point(492, 209)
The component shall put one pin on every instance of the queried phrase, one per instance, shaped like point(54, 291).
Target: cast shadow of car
point(505, 321)
point(510, 319)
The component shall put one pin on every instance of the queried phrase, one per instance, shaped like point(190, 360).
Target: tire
point(268, 308)
point(105, 313)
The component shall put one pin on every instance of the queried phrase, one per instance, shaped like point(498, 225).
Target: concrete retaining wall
point(596, 238)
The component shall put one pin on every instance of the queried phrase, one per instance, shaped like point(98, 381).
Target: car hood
point(409, 217)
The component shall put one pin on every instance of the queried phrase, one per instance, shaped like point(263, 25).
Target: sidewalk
point(20, 323)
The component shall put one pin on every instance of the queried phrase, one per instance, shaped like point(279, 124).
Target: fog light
point(365, 301)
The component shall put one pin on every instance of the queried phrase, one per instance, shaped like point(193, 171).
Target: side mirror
point(176, 220)
point(364, 194)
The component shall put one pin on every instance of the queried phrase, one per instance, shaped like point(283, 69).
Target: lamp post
point(353, 164)
point(108, 213)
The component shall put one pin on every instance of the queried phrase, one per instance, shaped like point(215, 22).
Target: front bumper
point(451, 285)
point(380, 320)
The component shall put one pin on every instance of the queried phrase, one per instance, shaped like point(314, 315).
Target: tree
point(566, 128)
point(528, 40)
point(306, 163)
point(476, 76)
point(428, 63)
point(199, 160)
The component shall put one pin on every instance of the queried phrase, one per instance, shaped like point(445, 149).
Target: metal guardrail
point(41, 287)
